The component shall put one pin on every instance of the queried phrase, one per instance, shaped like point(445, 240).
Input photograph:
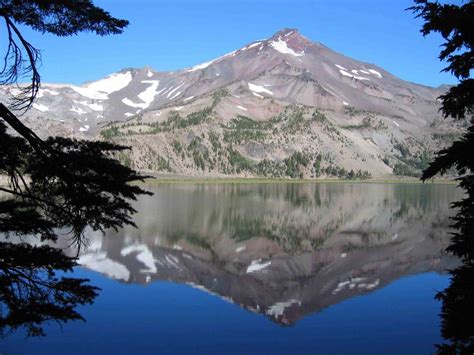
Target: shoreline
point(252, 180)
point(161, 179)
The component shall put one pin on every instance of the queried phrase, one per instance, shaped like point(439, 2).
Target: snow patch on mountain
point(130, 103)
point(175, 95)
point(343, 72)
point(111, 83)
point(200, 66)
point(89, 93)
point(282, 47)
point(375, 72)
point(251, 45)
point(259, 89)
point(257, 265)
point(40, 107)
point(162, 91)
point(146, 96)
point(170, 94)
point(206, 64)
point(149, 94)
point(84, 128)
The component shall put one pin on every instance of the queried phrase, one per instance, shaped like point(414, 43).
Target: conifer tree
point(54, 184)
point(455, 24)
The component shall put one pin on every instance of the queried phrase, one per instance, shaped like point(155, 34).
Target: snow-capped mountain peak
point(371, 109)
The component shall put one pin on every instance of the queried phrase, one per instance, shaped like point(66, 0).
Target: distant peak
point(289, 41)
point(291, 35)
point(286, 32)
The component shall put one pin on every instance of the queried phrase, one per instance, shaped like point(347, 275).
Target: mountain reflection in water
point(282, 250)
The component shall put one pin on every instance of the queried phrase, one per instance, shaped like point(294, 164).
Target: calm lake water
point(265, 268)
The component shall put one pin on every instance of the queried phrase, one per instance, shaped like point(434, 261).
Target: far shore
point(173, 179)
point(255, 180)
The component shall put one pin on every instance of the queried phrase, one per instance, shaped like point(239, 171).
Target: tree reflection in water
point(31, 292)
point(451, 22)
point(52, 184)
point(60, 185)
point(457, 312)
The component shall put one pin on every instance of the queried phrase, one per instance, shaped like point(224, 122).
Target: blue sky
point(169, 35)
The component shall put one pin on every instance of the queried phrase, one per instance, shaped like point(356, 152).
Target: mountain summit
point(289, 39)
point(284, 106)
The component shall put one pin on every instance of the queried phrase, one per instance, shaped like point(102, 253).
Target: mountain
point(281, 107)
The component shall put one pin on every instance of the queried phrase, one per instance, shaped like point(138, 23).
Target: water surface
point(265, 268)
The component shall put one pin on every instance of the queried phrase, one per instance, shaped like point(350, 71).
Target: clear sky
point(173, 34)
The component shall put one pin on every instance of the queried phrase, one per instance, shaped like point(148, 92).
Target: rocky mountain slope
point(281, 107)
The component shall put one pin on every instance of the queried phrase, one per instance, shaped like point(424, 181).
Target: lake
point(274, 268)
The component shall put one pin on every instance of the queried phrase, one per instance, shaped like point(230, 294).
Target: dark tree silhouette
point(55, 187)
point(455, 24)
point(32, 293)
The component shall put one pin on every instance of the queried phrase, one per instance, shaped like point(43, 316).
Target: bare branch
point(16, 66)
